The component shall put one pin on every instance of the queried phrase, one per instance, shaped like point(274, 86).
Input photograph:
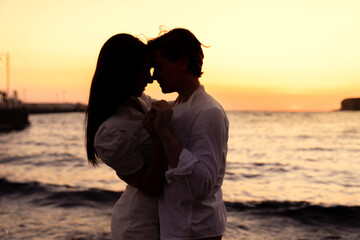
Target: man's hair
point(177, 43)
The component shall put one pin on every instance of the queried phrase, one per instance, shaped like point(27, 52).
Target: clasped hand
point(158, 120)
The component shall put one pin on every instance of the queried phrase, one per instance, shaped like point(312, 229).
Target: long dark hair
point(121, 60)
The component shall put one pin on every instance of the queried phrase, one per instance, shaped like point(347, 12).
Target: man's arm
point(202, 161)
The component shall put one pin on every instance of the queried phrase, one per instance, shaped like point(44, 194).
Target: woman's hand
point(162, 125)
point(148, 122)
point(162, 120)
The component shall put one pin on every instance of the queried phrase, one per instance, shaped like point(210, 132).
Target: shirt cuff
point(185, 166)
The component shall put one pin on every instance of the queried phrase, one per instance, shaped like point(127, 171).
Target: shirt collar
point(130, 112)
point(199, 91)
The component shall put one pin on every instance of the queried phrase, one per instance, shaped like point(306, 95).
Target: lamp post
point(7, 62)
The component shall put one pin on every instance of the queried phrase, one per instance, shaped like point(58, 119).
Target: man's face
point(166, 72)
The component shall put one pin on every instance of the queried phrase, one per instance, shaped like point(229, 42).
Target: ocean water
point(289, 176)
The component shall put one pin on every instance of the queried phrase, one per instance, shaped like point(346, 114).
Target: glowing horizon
point(283, 55)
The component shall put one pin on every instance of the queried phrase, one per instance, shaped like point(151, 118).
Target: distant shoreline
point(347, 104)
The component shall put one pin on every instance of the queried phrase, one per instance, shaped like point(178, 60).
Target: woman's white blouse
point(121, 142)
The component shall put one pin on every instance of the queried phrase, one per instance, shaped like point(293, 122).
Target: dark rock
point(352, 104)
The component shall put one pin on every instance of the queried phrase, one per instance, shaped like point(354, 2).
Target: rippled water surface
point(294, 156)
point(289, 176)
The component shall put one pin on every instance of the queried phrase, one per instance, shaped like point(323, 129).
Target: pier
point(37, 108)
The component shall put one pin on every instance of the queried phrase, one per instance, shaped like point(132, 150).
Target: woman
point(115, 135)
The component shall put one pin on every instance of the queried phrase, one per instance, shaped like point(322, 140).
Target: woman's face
point(145, 78)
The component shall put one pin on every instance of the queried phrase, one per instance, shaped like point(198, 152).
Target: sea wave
point(303, 212)
point(307, 213)
point(56, 195)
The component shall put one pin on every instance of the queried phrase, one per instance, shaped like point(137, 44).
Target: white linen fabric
point(123, 144)
point(135, 216)
point(192, 206)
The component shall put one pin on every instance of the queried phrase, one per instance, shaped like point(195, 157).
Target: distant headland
point(351, 104)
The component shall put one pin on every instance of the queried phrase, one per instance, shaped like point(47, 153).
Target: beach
point(289, 176)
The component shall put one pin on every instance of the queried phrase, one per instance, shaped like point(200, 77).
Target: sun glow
point(283, 55)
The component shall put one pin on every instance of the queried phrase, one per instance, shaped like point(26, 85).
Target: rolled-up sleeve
point(119, 150)
point(202, 163)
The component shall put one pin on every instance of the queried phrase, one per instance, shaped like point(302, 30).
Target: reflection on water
point(272, 156)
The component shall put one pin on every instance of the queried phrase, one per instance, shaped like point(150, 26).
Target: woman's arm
point(149, 179)
point(122, 152)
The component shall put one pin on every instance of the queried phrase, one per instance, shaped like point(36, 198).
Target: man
point(194, 134)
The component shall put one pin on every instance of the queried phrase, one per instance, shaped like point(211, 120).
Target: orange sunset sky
point(287, 55)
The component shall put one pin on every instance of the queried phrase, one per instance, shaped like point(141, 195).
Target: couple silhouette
point(172, 155)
